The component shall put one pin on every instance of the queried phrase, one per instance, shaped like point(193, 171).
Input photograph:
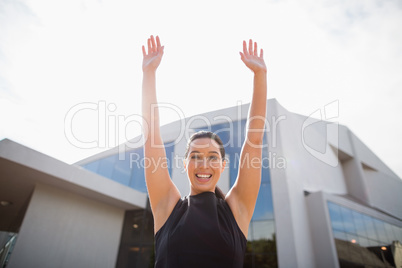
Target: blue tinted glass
point(250, 231)
point(263, 230)
point(122, 170)
point(93, 166)
point(265, 172)
point(227, 134)
point(106, 166)
point(373, 243)
point(352, 238)
point(353, 249)
point(361, 228)
point(264, 208)
point(130, 171)
point(233, 167)
point(389, 232)
point(169, 149)
point(397, 233)
point(232, 134)
point(400, 234)
point(380, 230)
point(348, 223)
point(265, 176)
point(364, 242)
point(137, 164)
point(340, 235)
point(335, 215)
point(359, 224)
point(369, 224)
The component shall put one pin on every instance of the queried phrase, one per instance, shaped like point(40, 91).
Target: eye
point(213, 157)
point(194, 156)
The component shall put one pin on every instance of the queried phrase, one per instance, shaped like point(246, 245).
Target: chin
point(203, 188)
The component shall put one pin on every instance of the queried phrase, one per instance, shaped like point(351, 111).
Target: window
point(361, 239)
point(128, 168)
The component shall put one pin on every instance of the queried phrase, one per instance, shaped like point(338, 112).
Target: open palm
point(152, 60)
point(251, 59)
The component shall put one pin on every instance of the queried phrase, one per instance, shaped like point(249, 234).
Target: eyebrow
point(215, 152)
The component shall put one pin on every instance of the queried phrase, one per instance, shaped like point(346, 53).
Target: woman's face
point(204, 165)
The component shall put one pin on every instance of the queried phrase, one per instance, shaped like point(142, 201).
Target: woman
point(202, 230)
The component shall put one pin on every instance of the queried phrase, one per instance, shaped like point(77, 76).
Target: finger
point(243, 57)
point(149, 46)
point(261, 53)
point(158, 42)
point(144, 53)
point(245, 52)
point(255, 49)
point(153, 43)
point(250, 47)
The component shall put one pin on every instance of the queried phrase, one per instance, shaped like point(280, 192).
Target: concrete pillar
point(321, 231)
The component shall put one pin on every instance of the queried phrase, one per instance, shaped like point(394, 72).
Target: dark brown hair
point(208, 134)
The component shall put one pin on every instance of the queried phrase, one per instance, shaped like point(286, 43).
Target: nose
point(202, 162)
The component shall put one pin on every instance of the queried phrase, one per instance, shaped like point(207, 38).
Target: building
point(325, 200)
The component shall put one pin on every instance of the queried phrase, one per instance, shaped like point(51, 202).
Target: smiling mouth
point(203, 176)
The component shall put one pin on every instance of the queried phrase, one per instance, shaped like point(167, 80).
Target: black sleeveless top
point(201, 231)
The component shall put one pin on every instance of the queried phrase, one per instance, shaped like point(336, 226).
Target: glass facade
point(7, 243)
point(128, 170)
point(137, 240)
point(362, 240)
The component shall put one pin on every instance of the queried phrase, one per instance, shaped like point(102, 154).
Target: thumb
point(242, 56)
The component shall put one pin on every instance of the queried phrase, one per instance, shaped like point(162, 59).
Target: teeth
point(203, 176)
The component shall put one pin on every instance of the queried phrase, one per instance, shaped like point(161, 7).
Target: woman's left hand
point(250, 57)
point(152, 60)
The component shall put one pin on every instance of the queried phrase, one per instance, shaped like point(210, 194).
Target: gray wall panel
point(63, 229)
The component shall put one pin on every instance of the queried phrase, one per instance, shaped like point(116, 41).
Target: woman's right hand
point(251, 59)
point(152, 60)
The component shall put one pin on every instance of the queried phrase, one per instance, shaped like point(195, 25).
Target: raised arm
point(163, 194)
point(243, 195)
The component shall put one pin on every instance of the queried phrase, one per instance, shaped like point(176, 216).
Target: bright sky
point(57, 57)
